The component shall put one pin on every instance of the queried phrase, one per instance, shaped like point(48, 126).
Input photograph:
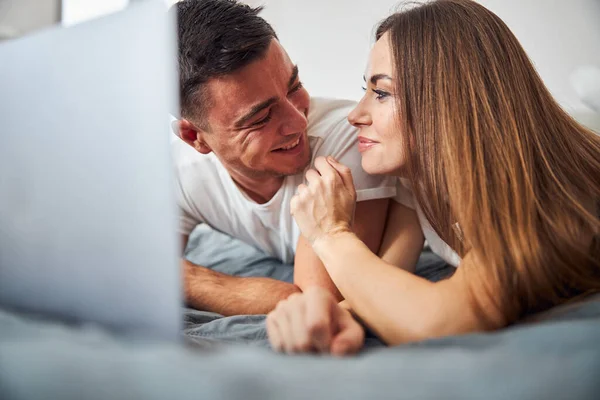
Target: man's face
point(257, 118)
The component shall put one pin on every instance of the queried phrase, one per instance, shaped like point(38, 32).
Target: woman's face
point(380, 142)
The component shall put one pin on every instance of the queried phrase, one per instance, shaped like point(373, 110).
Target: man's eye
point(296, 88)
point(264, 120)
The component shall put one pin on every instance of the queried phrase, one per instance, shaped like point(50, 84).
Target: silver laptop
point(87, 216)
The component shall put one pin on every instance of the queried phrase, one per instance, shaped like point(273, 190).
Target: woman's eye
point(380, 94)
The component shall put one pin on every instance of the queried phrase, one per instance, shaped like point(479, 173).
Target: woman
point(495, 175)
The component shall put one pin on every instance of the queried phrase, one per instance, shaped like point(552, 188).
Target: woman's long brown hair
point(499, 169)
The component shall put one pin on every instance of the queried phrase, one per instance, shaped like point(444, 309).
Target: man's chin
point(293, 170)
point(302, 166)
point(295, 166)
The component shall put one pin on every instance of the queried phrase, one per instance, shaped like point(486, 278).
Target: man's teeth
point(291, 146)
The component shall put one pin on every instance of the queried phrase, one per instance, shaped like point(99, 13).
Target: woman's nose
point(359, 116)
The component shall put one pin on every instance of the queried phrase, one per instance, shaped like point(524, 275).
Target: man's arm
point(403, 239)
point(369, 223)
point(213, 291)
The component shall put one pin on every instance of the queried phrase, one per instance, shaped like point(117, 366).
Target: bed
point(556, 356)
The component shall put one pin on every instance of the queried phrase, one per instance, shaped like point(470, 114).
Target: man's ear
point(192, 135)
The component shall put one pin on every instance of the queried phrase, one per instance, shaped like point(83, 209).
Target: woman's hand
point(314, 322)
point(325, 205)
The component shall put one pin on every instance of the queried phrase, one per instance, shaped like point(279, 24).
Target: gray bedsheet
point(222, 253)
point(557, 358)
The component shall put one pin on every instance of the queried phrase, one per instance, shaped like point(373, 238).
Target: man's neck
point(261, 190)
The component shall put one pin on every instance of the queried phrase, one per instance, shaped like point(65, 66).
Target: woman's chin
point(373, 167)
point(376, 166)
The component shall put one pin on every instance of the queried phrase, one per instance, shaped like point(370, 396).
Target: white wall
point(559, 36)
point(330, 39)
point(19, 17)
point(76, 11)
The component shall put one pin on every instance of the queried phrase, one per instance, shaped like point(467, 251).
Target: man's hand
point(314, 322)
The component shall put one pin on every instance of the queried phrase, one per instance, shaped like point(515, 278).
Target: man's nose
point(294, 120)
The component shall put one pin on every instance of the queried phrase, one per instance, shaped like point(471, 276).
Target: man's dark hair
point(216, 37)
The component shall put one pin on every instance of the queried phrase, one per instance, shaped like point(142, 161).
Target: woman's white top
point(405, 196)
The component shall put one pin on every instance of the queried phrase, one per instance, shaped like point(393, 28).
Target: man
point(249, 130)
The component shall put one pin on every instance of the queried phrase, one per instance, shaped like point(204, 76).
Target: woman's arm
point(392, 302)
point(402, 241)
point(401, 307)
point(369, 224)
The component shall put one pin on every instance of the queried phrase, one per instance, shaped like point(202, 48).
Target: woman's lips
point(365, 144)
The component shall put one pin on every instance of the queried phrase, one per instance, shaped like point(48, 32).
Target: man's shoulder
point(324, 105)
point(329, 116)
point(189, 164)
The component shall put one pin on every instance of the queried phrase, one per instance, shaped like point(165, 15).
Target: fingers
point(325, 169)
point(312, 177)
point(300, 335)
point(302, 323)
point(318, 319)
point(351, 335)
point(344, 172)
point(302, 189)
point(330, 172)
point(323, 173)
point(295, 201)
point(284, 325)
point(273, 332)
point(329, 169)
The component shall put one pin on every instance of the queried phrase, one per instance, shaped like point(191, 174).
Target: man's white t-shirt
point(405, 196)
point(206, 193)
